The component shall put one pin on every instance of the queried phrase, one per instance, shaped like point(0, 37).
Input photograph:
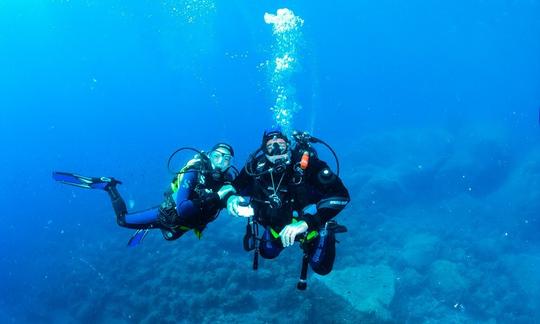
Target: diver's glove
point(289, 232)
point(225, 191)
point(238, 206)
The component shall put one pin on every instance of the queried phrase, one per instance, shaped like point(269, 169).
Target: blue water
point(431, 106)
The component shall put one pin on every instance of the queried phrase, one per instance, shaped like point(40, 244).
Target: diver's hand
point(289, 232)
point(225, 190)
point(238, 206)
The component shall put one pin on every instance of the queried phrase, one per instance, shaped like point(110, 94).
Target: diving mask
point(221, 159)
point(276, 150)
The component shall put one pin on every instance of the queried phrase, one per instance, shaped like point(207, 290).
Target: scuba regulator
point(303, 143)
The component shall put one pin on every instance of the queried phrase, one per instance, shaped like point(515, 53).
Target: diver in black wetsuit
point(197, 194)
point(281, 183)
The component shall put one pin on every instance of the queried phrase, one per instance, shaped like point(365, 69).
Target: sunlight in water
point(288, 36)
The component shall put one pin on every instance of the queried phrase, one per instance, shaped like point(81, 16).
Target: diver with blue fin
point(197, 194)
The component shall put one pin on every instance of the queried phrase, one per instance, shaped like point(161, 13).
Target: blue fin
point(137, 238)
point(84, 182)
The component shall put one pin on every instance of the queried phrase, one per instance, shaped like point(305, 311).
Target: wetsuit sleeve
point(333, 194)
point(243, 183)
point(185, 207)
point(191, 207)
point(211, 203)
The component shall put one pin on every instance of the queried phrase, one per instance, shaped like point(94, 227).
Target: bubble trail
point(286, 27)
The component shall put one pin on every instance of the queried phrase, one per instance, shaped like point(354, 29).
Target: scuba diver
point(197, 194)
point(283, 183)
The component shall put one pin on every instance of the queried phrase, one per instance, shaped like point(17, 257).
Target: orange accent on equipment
point(304, 161)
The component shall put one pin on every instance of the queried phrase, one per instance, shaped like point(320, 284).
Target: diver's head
point(221, 157)
point(275, 146)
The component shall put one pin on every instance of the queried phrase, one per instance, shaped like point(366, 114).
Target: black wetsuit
point(276, 197)
point(191, 203)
